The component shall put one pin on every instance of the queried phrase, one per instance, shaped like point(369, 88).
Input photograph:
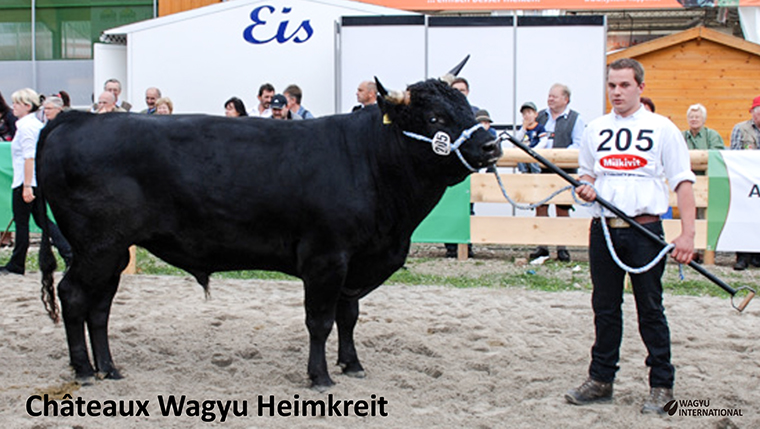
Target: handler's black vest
point(563, 130)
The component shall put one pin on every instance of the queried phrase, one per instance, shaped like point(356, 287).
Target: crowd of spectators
point(555, 126)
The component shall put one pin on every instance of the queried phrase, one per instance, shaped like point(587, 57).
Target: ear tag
point(387, 120)
point(441, 143)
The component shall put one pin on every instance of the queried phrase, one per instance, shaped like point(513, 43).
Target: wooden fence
point(531, 188)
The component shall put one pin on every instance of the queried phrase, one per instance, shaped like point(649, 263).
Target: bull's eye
point(433, 120)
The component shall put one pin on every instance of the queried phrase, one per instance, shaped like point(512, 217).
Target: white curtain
point(749, 17)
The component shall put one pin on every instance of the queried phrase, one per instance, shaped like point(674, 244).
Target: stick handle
point(747, 299)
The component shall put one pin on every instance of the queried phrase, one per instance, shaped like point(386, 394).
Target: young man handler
point(627, 154)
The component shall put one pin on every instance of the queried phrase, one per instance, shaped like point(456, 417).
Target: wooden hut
point(700, 65)
point(169, 7)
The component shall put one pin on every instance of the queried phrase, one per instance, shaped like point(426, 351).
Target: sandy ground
point(436, 357)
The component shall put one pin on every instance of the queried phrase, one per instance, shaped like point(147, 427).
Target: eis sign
point(272, 26)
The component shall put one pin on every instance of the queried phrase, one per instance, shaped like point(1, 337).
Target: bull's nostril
point(489, 147)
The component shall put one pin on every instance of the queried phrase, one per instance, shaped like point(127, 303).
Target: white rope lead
point(605, 228)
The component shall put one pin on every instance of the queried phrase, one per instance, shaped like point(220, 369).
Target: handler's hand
point(586, 192)
point(684, 250)
point(28, 195)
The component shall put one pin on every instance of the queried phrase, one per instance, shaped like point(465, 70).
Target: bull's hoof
point(85, 380)
point(322, 386)
point(113, 374)
point(354, 370)
point(355, 374)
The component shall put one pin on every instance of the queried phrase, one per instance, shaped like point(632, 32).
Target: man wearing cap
point(484, 118)
point(746, 135)
point(279, 106)
point(532, 134)
point(565, 130)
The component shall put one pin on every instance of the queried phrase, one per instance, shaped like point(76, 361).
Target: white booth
point(202, 57)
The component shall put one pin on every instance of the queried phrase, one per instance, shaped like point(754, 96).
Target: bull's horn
point(449, 77)
point(455, 71)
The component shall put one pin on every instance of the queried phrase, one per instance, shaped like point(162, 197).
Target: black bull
point(333, 201)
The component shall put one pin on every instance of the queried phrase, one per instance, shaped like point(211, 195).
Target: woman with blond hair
point(24, 185)
point(164, 106)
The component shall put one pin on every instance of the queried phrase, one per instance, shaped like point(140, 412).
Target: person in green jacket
point(698, 136)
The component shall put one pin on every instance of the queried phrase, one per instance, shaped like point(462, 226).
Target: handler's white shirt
point(24, 146)
point(630, 158)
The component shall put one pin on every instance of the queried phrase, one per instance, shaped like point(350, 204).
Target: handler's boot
point(591, 391)
point(658, 398)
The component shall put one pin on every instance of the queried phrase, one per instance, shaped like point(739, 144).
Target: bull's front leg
point(346, 317)
point(323, 279)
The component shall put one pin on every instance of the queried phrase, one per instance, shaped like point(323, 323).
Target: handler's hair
point(27, 96)
point(629, 63)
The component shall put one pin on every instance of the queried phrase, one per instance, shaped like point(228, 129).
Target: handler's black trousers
point(634, 250)
point(21, 212)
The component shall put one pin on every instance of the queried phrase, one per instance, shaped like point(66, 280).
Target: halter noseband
point(442, 143)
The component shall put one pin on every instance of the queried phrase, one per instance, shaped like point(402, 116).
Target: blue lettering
point(300, 35)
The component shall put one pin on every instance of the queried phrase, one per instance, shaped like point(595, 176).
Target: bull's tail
point(47, 261)
point(48, 266)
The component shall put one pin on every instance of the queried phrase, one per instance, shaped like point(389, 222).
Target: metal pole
point(34, 45)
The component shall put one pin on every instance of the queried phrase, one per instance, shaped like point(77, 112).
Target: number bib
point(626, 150)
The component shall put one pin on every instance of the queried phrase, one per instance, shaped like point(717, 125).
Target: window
point(65, 29)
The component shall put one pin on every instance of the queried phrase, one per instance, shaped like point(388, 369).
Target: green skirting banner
point(6, 178)
point(733, 204)
point(449, 222)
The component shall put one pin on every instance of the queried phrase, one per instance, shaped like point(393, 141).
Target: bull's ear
point(386, 100)
point(449, 77)
point(380, 88)
point(393, 97)
point(381, 93)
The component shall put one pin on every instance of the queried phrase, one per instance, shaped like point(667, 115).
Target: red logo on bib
point(623, 162)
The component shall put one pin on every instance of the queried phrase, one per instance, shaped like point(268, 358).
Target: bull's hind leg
point(97, 326)
point(86, 294)
point(74, 309)
point(346, 316)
